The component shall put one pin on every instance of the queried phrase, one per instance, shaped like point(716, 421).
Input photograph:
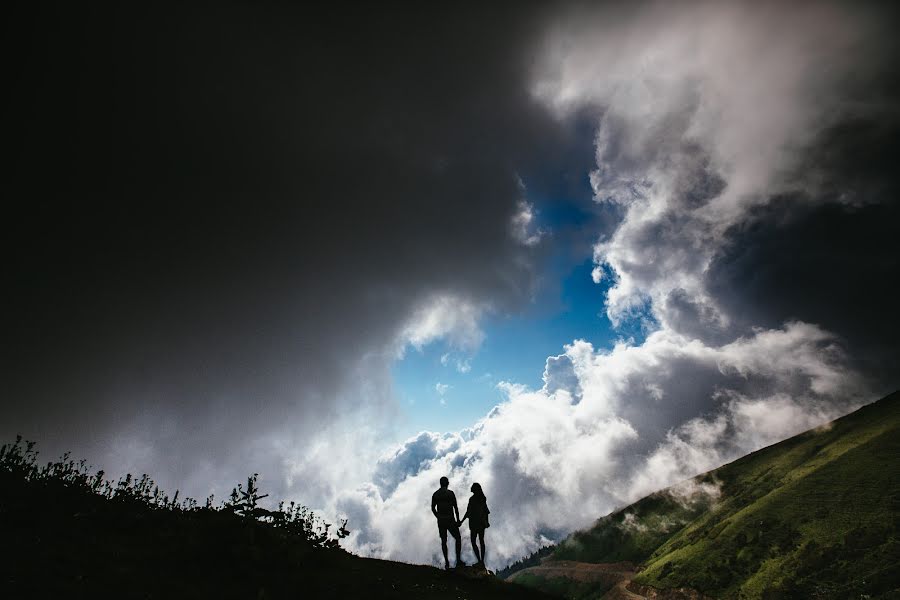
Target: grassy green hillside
point(815, 516)
point(71, 534)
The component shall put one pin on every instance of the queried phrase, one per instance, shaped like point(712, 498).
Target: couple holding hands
point(443, 505)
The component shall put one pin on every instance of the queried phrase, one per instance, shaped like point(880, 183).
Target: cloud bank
point(711, 119)
point(555, 459)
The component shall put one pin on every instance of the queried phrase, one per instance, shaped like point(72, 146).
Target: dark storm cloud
point(225, 214)
point(826, 251)
point(835, 263)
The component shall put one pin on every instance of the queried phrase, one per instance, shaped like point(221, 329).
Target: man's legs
point(481, 538)
point(458, 538)
point(442, 531)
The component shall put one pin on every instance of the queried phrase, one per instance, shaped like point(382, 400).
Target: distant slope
point(815, 516)
point(636, 531)
point(63, 538)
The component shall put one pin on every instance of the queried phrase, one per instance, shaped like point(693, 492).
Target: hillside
point(814, 516)
point(67, 533)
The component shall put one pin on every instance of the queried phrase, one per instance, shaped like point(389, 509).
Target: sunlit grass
point(814, 516)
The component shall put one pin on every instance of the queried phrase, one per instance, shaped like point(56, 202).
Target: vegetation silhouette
point(69, 532)
point(18, 461)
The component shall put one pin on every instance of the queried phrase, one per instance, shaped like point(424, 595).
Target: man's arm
point(455, 507)
point(434, 506)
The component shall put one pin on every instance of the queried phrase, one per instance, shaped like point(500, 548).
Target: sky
point(576, 252)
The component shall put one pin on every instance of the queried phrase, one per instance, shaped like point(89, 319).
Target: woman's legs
point(478, 536)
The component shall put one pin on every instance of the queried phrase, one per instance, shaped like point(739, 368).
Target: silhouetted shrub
point(18, 462)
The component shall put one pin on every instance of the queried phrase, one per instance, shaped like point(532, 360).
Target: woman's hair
point(476, 489)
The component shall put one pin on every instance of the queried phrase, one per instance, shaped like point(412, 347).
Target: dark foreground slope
point(815, 516)
point(71, 535)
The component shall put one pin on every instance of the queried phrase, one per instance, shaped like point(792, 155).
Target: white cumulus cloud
point(646, 416)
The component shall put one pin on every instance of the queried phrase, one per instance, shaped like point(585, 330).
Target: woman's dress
point(478, 513)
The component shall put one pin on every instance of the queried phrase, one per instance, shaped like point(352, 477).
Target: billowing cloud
point(721, 129)
point(410, 457)
point(551, 462)
point(709, 112)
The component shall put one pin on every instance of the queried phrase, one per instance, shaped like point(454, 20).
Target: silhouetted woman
point(477, 512)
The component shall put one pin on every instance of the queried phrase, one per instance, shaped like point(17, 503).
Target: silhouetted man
point(443, 505)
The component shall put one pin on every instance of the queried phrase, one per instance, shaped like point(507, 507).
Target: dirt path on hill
point(621, 592)
point(616, 575)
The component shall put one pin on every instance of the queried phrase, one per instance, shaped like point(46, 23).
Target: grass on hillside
point(815, 516)
point(633, 533)
point(630, 534)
